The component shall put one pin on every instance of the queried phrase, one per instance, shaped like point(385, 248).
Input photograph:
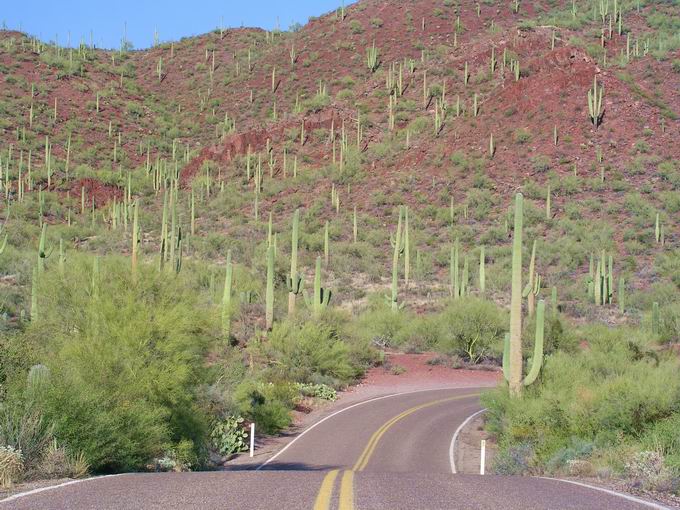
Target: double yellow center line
point(346, 498)
point(323, 499)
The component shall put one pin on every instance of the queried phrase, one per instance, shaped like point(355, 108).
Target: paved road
point(387, 454)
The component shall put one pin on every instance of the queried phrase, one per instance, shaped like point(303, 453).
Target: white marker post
point(482, 460)
point(252, 439)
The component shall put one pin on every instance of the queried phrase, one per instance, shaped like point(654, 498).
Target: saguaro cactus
point(42, 253)
point(482, 271)
point(294, 279)
point(322, 297)
point(226, 298)
point(398, 245)
point(326, 244)
point(407, 249)
point(513, 347)
point(135, 236)
point(269, 296)
point(454, 264)
point(372, 59)
point(595, 103)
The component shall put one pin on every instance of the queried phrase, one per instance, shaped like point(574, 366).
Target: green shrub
point(308, 352)
point(380, 325)
point(472, 328)
point(356, 27)
point(669, 327)
point(124, 362)
point(267, 405)
point(228, 436)
point(322, 391)
point(607, 393)
point(663, 437)
point(24, 428)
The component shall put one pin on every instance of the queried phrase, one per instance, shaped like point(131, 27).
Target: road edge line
point(375, 399)
point(452, 445)
point(20, 495)
point(611, 492)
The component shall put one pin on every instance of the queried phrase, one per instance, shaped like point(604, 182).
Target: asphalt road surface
point(386, 454)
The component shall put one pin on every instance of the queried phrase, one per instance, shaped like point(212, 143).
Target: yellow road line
point(347, 491)
point(346, 499)
point(323, 499)
point(375, 438)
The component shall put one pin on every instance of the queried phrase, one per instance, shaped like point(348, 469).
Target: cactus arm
point(294, 280)
point(531, 294)
point(506, 357)
point(456, 265)
point(537, 361)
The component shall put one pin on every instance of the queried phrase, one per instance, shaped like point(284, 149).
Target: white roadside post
point(252, 439)
point(482, 460)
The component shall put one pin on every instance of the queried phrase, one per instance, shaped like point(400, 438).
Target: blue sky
point(48, 19)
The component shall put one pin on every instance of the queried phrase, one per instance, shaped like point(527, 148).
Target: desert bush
point(669, 330)
point(23, 428)
point(307, 352)
point(380, 325)
point(11, 466)
point(57, 462)
point(268, 405)
point(228, 436)
point(180, 458)
point(663, 437)
point(648, 470)
point(471, 328)
point(608, 393)
point(322, 391)
point(124, 357)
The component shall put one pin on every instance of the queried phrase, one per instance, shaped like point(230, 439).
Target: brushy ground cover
point(607, 405)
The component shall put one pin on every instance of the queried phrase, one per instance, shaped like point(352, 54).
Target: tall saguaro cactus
point(407, 249)
point(398, 245)
point(595, 103)
point(322, 297)
point(135, 236)
point(226, 297)
point(482, 271)
point(294, 279)
point(42, 253)
point(512, 358)
point(269, 297)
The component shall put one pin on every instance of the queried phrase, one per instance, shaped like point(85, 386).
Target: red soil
point(418, 375)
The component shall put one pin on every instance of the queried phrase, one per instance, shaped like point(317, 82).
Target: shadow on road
point(279, 466)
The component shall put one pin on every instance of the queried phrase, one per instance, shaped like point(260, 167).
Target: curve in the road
point(389, 453)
